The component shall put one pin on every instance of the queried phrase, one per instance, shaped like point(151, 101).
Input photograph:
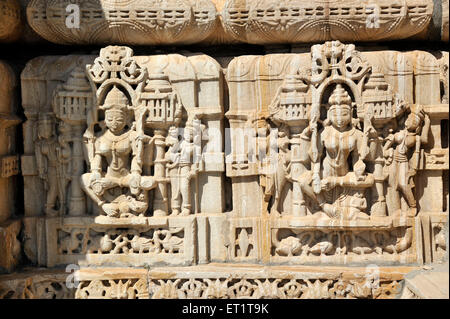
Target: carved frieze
point(332, 157)
point(179, 22)
point(136, 22)
point(200, 282)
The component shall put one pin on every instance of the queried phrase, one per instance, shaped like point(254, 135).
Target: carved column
point(160, 207)
point(77, 204)
point(296, 170)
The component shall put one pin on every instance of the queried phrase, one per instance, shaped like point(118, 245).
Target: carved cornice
point(138, 22)
point(180, 22)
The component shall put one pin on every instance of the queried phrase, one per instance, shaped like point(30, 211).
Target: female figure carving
point(403, 165)
point(340, 192)
point(118, 146)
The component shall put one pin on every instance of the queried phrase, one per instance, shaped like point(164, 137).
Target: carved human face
point(188, 135)
point(45, 129)
point(115, 121)
point(412, 122)
point(340, 117)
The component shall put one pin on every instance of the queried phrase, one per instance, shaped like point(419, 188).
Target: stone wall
point(303, 154)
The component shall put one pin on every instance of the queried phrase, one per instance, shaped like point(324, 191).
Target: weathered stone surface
point(149, 22)
point(9, 161)
point(10, 20)
point(320, 173)
point(212, 281)
point(9, 166)
point(10, 246)
point(36, 284)
point(431, 283)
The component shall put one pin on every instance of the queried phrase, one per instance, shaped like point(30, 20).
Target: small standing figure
point(64, 154)
point(281, 172)
point(402, 164)
point(180, 169)
point(47, 163)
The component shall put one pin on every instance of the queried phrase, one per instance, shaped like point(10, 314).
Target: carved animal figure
point(99, 244)
point(401, 244)
point(143, 244)
point(289, 246)
point(323, 247)
point(171, 243)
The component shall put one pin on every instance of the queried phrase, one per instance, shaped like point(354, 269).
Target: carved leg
point(185, 191)
point(52, 195)
point(175, 196)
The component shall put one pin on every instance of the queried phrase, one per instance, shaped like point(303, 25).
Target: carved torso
point(116, 150)
point(338, 147)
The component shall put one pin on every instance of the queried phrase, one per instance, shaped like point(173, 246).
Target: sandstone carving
point(320, 173)
point(139, 22)
point(10, 227)
point(218, 21)
point(10, 20)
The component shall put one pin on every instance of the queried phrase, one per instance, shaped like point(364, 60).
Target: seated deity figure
point(402, 163)
point(180, 169)
point(118, 146)
point(340, 193)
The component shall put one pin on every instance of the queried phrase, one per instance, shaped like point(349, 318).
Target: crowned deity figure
point(340, 190)
point(402, 163)
point(121, 190)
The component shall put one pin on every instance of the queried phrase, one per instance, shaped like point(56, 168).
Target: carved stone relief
point(328, 146)
point(335, 157)
point(121, 156)
point(10, 20)
point(10, 227)
point(149, 22)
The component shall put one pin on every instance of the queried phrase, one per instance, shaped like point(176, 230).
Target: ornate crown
point(115, 100)
point(340, 98)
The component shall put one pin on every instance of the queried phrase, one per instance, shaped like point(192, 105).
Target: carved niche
point(121, 155)
point(325, 153)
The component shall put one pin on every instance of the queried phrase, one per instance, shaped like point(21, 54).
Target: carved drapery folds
point(149, 22)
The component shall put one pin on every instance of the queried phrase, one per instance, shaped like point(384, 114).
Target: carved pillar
point(160, 207)
point(379, 206)
point(77, 204)
point(298, 206)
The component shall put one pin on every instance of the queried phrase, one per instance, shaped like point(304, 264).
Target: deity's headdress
point(340, 98)
point(115, 100)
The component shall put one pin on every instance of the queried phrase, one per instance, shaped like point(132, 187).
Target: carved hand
point(326, 184)
point(316, 183)
point(135, 183)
